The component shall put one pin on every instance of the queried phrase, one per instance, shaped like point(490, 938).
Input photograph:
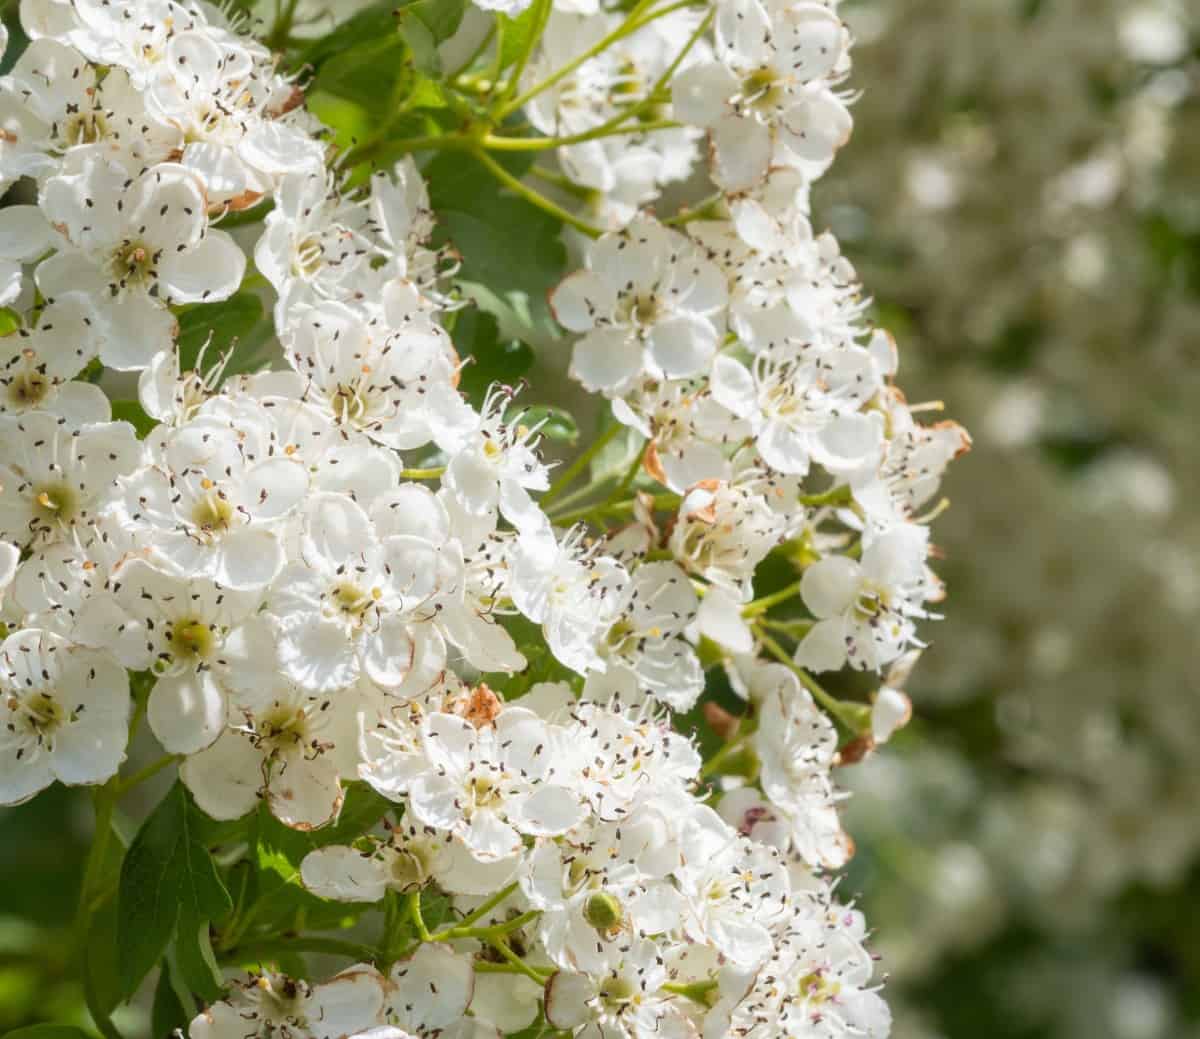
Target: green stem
point(501, 946)
point(487, 934)
point(414, 913)
point(423, 474)
point(541, 15)
point(480, 912)
point(496, 142)
point(580, 463)
point(534, 197)
point(753, 609)
point(829, 702)
point(588, 512)
point(698, 991)
point(153, 769)
point(630, 25)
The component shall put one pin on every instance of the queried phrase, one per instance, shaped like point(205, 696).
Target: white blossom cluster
point(314, 612)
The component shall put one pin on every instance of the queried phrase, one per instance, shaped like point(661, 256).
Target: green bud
point(602, 911)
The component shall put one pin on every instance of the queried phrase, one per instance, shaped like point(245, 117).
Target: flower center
point(817, 989)
point(40, 713)
point(132, 265)
point(348, 403)
point(85, 128)
point(29, 389)
point(191, 640)
point(616, 990)
point(284, 726)
point(55, 503)
point(485, 792)
point(212, 512)
point(353, 600)
point(309, 257)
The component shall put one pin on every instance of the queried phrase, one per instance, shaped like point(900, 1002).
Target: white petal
point(305, 793)
point(607, 359)
point(580, 299)
point(209, 271)
point(25, 233)
point(824, 647)
point(432, 988)
point(742, 149)
point(683, 345)
point(567, 997)
point(336, 530)
point(720, 619)
point(186, 711)
point(699, 94)
point(548, 811)
point(348, 1004)
point(248, 559)
point(830, 585)
point(225, 779)
point(343, 874)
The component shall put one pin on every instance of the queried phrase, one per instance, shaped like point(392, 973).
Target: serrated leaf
point(233, 319)
point(167, 878)
point(510, 249)
point(493, 358)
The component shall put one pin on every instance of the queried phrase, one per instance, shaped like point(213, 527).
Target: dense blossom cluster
point(313, 612)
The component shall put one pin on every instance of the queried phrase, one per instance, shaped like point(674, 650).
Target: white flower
point(723, 532)
point(491, 786)
point(645, 653)
point(817, 983)
point(55, 477)
point(429, 990)
point(64, 714)
point(200, 640)
point(352, 603)
point(806, 408)
point(495, 465)
point(569, 589)
point(649, 301)
point(736, 890)
point(38, 372)
point(133, 246)
point(213, 503)
point(623, 1000)
point(225, 100)
point(56, 111)
point(288, 747)
point(866, 609)
point(271, 1006)
point(391, 377)
point(767, 97)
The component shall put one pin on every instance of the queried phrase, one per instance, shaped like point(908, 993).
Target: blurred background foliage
point(1022, 197)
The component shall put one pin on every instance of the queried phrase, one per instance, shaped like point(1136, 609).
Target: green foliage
point(169, 886)
point(239, 322)
point(553, 423)
point(511, 253)
point(491, 357)
point(279, 898)
point(425, 24)
point(132, 412)
point(48, 1032)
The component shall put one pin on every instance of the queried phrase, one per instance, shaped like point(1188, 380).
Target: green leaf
point(493, 359)
point(10, 321)
point(167, 1012)
point(132, 412)
point(231, 320)
point(48, 1032)
point(279, 850)
point(101, 966)
point(515, 34)
point(197, 963)
point(370, 23)
point(167, 878)
point(426, 23)
point(553, 423)
point(371, 74)
point(511, 253)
